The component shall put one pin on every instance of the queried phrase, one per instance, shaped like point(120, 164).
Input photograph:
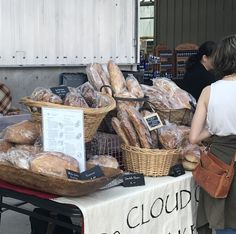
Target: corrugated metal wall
point(67, 32)
point(194, 21)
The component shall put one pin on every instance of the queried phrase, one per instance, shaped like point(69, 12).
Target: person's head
point(204, 56)
point(225, 57)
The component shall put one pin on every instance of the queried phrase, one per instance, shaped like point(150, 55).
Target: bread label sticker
point(153, 121)
point(61, 91)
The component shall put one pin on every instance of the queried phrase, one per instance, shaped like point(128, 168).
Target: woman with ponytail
point(198, 73)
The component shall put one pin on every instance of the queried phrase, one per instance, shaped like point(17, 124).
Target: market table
point(165, 205)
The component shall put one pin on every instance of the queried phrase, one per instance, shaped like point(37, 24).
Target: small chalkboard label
point(73, 175)
point(153, 121)
point(90, 174)
point(61, 91)
point(133, 179)
point(177, 170)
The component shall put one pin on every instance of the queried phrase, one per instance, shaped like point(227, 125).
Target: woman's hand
point(198, 130)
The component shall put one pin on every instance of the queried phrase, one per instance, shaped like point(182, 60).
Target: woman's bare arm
point(198, 130)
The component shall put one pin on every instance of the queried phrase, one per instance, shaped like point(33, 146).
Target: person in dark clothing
point(198, 73)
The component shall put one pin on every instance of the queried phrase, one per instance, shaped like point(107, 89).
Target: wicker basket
point(178, 116)
point(54, 184)
point(92, 116)
point(150, 162)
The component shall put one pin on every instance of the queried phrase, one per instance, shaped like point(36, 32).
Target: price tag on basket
point(153, 121)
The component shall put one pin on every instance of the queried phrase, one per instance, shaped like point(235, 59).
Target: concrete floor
point(15, 223)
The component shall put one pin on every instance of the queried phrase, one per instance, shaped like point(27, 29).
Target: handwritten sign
point(133, 179)
point(177, 170)
point(63, 131)
point(153, 121)
point(61, 91)
point(90, 174)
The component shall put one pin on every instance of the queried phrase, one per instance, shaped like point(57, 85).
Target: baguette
point(115, 122)
point(143, 133)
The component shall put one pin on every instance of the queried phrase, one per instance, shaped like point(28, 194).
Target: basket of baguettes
point(23, 162)
point(170, 102)
point(152, 152)
point(87, 97)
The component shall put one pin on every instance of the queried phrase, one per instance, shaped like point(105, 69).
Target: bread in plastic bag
point(134, 87)
point(170, 136)
point(76, 100)
point(117, 79)
point(93, 77)
point(19, 158)
point(140, 126)
point(127, 126)
point(45, 95)
point(178, 97)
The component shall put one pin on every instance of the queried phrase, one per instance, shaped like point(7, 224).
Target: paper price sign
point(63, 131)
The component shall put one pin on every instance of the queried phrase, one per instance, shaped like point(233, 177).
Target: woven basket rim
point(93, 111)
point(143, 150)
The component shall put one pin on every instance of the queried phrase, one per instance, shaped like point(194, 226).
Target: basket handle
point(107, 86)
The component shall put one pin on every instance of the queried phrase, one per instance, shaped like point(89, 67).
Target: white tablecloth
point(165, 205)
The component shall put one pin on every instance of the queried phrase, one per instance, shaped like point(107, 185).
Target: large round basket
point(92, 116)
point(150, 162)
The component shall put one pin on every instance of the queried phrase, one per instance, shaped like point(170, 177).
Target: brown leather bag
point(213, 175)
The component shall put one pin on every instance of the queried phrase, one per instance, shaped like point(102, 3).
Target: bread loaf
point(117, 79)
point(75, 99)
point(5, 146)
point(45, 95)
point(89, 93)
point(104, 161)
point(93, 77)
point(32, 149)
point(19, 158)
point(115, 122)
point(53, 163)
point(189, 166)
point(104, 77)
point(127, 127)
point(143, 133)
point(153, 133)
point(134, 87)
point(191, 157)
point(25, 132)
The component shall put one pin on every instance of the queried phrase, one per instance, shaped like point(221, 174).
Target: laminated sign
point(63, 131)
